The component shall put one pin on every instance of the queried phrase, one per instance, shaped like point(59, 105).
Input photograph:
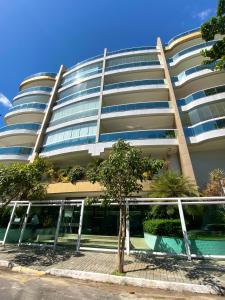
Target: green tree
point(22, 181)
point(121, 175)
point(216, 25)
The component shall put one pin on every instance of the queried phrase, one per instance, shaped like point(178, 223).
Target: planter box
point(175, 245)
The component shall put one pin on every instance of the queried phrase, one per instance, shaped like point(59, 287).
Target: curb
point(140, 282)
point(15, 268)
point(121, 280)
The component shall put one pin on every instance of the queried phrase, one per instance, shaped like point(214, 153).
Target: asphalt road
point(17, 286)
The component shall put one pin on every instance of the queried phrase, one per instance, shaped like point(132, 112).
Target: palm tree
point(171, 184)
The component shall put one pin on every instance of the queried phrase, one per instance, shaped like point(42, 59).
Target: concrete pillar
point(185, 159)
point(47, 116)
point(101, 97)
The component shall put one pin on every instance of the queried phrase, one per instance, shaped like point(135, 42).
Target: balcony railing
point(27, 126)
point(133, 65)
point(15, 150)
point(85, 61)
point(79, 94)
point(142, 48)
point(134, 83)
point(69, 79)
point(53, 75)
point(201, 94)
point(69, 143)
point(40, 106)
point(205, 127)
point(185, 51)
point(183, 34)
point(36, 89)
point(135, 106)
point(138, 135)
point(192, 70)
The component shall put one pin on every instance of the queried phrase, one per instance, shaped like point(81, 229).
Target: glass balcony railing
point(15, 150)
point(134, 83)
point(79, 94)
point(138, 135)
point(133, 65)
point(69, 143)
point(134, 106)
point(201, 94)
point(40, 106)
point(205, 127)
point(75, 116)
point(185, 51)
point(27, 126)
point(73, 78)
point(192, 70)
point(85, 61)
point(142, 48)
point(53, 75)
point(36, 89)
point(183, 34)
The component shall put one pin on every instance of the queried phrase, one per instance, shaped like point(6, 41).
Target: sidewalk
point(179, 270)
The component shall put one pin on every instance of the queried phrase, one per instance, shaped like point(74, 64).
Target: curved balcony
point(18, 134)
point(86, 61)
point(69, 143)
point(140, 64)
point(36, 89)
point(208, 130)
point(28, 113)
point(138, 135)
point(25, 99)
point(142, 48)
point(136, 85)
point(15, 153)
point(79, 94)
point(202, 97)
point(28, 106)
point(192, 73)
point(182, 54)
point(135, 106)
point(32, 80)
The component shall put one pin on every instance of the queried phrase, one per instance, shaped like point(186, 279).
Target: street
point(27, 287)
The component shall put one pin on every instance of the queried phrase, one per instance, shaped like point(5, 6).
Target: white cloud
point(202, 15)
point(5, 101)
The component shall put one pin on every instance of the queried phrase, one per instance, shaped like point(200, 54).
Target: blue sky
point(39, 35)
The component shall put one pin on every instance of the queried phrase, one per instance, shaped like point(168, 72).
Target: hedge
point(163, 227)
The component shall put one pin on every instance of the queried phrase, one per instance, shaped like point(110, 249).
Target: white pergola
point(180, 202)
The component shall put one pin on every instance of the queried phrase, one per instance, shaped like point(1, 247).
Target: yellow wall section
point(30, 80)
point(81, 187)
point(183, 39)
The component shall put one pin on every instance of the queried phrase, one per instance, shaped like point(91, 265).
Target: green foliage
point(216, 25)
point(122, 172)
point(76, 173)
point(171, 184)
point(23, 181)
point(163, 227)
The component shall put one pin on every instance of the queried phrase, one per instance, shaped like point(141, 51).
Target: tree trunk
point(121, 238)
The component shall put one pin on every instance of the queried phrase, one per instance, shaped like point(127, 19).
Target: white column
point(9, 224)
point(101, 96)
point(24, 223)
point(58, 224)
point(127, 228)
point(184, 229)
point(80, 226)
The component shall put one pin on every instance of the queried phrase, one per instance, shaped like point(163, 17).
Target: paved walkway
point(209, 272)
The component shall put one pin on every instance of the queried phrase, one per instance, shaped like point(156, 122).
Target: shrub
point(164, 227)
point(76, 173)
